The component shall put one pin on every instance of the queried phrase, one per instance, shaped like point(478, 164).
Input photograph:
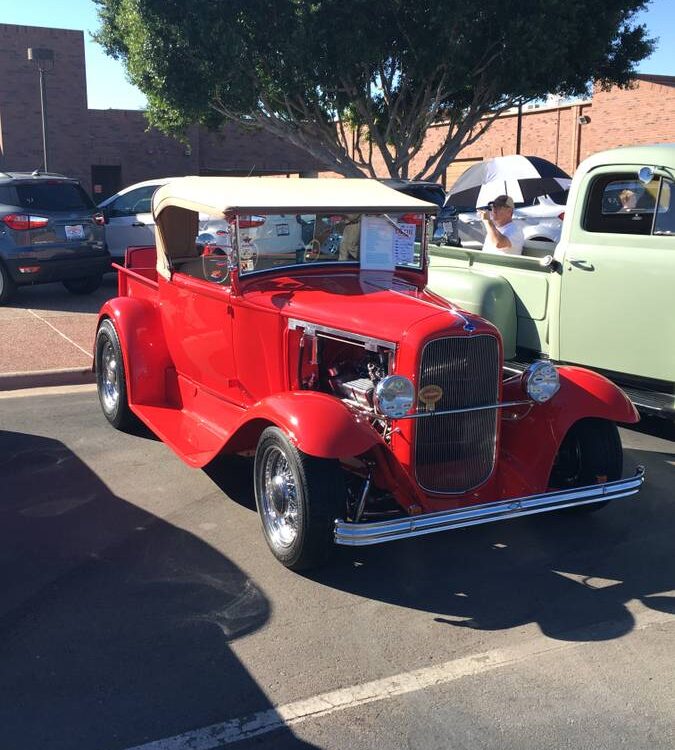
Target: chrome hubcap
point(279, 498)
point(110, 391)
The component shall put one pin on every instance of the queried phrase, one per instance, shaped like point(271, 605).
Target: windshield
point(373, 241)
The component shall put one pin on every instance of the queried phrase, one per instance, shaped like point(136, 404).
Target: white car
point(128, 217)
point(541, 224)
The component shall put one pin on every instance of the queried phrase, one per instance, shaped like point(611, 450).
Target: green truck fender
point(490, 296)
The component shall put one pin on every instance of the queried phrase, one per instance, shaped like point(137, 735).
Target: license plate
point(282, 230)
point(74, 232)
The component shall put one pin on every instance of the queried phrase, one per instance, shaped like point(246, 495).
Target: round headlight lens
point(394, 396)
point(540, 381)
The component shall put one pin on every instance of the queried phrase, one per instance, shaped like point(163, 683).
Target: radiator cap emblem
point(430, 395)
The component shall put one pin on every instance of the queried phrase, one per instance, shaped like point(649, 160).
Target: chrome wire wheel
point(279, 498)
point(298, 499)
point(111, 379)
point(110, 391)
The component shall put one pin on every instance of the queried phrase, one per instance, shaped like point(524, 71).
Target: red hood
point(371, 303)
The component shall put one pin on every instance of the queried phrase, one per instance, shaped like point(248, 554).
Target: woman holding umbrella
point(502, 234)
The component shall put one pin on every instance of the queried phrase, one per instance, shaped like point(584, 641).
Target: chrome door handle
point(581, 263)
point(138, 224)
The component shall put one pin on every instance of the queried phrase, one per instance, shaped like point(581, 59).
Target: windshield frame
point(238, 241)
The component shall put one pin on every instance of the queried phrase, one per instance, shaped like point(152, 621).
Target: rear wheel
point(7, 285)
point(591, 453)
point(86, 285)
point(111, 379)
point(298, 499)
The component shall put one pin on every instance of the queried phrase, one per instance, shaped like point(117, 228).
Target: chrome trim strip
point(370, 343)
point(377, 532)
point(503, 405)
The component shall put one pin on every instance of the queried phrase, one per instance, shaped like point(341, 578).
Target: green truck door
point(617, 300)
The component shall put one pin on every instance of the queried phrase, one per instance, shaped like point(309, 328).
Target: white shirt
point(513, 233)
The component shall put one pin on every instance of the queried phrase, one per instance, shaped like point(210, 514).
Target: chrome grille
point(455, 452)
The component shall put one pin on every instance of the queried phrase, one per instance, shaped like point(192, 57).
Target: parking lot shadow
point(571, 573)
point(55, 297)
point(115, 626)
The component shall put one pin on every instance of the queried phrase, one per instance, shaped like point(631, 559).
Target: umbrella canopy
point(524, 178)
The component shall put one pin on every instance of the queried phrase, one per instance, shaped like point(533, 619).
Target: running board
point(377, 532)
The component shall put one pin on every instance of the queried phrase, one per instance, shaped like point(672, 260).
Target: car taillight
point(416, 219)
point(99, 219)
point(24, 221)
point(561, 216)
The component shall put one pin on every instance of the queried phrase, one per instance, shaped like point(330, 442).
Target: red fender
point(532, 443)
point(316, 423)
point(144, 350)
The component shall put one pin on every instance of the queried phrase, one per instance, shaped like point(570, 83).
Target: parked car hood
point(375, 304)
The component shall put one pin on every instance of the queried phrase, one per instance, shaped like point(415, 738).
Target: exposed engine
point(356, 379)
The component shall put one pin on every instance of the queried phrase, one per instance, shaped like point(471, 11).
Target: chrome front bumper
point(360, 534)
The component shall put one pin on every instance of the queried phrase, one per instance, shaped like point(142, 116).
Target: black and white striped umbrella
point(522, 177)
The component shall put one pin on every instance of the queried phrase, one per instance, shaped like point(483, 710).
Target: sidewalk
point(47, 335)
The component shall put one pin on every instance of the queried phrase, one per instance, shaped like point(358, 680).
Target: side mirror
point(646, 175)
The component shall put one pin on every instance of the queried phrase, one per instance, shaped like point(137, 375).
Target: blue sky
point(108, 87)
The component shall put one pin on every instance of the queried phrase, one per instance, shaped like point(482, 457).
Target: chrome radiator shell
point(454, 453)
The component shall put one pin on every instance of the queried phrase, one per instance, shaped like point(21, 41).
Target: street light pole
point(43, 108)
point(45, 61)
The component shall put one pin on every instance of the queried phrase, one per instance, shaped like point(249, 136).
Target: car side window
point(621, 204)
point(134, 202)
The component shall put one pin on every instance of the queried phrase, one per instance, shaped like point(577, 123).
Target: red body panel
point(209, 368)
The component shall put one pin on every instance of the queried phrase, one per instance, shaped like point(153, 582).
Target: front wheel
point(111, 381)
point(298, 499)
point(85, 285)
point(591, 453)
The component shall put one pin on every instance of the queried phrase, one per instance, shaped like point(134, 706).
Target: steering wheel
point(312, 250)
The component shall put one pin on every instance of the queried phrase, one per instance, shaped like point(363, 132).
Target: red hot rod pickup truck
point(302, 332)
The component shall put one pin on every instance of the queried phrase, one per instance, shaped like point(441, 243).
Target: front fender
point(144, 350)
point(531, 444)
point(488, 295)
point(316, 423)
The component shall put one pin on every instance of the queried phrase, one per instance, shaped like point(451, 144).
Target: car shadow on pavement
point(55, 297)
point(571, 573)
point(115, 626)
point(234, 476)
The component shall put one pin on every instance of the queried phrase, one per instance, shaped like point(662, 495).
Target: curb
point(12, 381)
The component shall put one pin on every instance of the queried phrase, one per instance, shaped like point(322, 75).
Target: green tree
point(347, 79)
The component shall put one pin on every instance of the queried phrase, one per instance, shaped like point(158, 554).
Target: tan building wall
point(66, 98)
point(642, 114)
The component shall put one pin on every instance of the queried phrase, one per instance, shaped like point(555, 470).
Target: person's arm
point(499, 240)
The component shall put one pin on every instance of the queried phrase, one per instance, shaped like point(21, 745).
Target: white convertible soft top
point(176, 206)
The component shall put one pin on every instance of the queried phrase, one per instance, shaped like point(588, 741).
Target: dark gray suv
point(50, 230)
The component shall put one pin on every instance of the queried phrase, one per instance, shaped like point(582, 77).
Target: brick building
point(110, 148)
point(107, 149)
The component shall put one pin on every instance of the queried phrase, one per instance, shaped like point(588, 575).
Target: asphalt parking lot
point(142, 609)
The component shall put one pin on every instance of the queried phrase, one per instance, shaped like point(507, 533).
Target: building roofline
point(653, 78)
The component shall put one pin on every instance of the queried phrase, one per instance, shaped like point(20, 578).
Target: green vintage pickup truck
point(605, 297)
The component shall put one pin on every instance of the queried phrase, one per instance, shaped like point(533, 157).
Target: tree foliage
point(349, 79)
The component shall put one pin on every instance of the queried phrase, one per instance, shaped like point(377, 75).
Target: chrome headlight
point(540, 381)
point(394, 396)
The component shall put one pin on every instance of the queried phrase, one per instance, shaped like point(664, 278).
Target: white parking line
point(262, 722)
point(63, 335)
